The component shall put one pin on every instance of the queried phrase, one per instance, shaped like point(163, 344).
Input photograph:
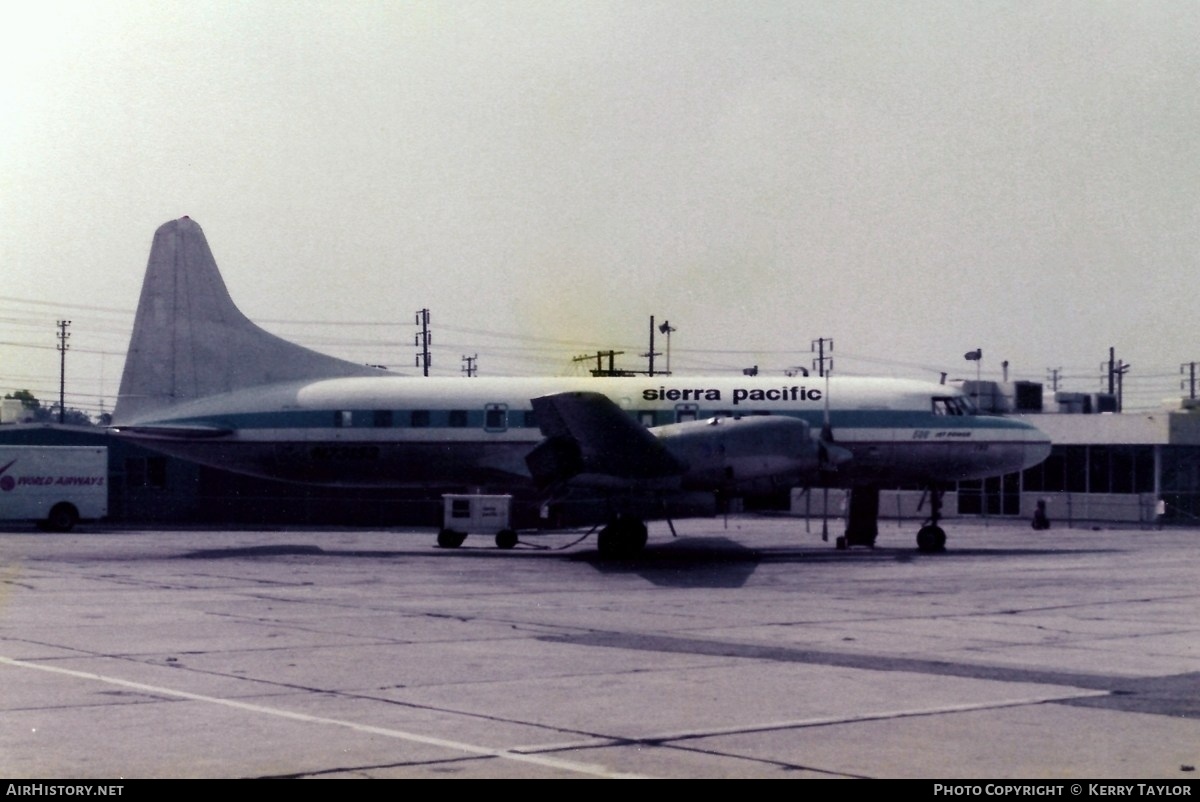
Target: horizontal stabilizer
point(175, 432)
point(588, 433)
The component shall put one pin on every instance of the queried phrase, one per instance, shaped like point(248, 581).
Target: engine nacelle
point(733, 454)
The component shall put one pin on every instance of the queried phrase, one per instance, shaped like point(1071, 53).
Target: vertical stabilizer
point(191, 341)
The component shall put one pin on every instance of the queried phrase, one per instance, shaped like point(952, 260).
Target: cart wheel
point(449, 539)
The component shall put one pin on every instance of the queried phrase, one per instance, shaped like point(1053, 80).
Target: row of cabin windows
point(492, 418)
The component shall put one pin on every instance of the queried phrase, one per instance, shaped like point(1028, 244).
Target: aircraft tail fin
point(190, 340)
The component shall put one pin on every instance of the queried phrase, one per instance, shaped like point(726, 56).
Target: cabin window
point(343, 418)
point(686, 412)
point(458, 418)
point(383, 418)
point(647, 418)
point(530, 419)
point(419, 418)
point(495, 417)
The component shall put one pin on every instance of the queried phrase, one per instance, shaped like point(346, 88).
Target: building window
point(1099, 470)
point(1075, 468)
point(146, 472)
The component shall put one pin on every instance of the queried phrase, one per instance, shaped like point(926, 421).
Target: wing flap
point(587, 433)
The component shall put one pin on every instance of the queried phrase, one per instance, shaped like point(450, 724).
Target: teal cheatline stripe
point(476, 419)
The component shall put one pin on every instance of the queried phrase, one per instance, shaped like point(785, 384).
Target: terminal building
point(1105, 467)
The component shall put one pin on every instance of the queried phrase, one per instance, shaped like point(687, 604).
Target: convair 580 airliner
point(203, 382)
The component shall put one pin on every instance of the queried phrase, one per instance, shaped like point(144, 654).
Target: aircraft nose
point(1037, 447)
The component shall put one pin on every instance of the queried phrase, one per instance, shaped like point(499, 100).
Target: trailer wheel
point(450, 539)
point(62, 517)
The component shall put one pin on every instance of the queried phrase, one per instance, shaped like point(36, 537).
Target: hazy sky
point(913, 179)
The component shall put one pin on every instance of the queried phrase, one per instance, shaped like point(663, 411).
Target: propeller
point(829, 454)
point(829, 457)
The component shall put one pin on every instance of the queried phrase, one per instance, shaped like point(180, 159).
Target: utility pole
point(422, 340)
point(818, 346)
point(63, 336)
point(976, 356)
point(652, 353)
point(666, 328)
point(1052, 375)
point(1116, 377)
point(1112, 375)
point(1191, 382)
point(469, 365)
point(599, 370)
point(1122, 369)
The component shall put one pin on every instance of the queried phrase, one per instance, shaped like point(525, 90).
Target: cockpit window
point(952, 405)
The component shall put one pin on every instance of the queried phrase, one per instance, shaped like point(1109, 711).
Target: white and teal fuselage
point(400, 431)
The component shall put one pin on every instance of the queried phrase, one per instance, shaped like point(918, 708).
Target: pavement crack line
point(387, 732)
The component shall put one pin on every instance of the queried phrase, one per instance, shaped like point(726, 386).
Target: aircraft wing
point(587, 433)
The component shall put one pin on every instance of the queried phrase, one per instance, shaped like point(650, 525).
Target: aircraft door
point(495, 417)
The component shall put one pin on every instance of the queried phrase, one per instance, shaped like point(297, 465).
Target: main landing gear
point(862, 518)
point(931, 538)
point(623, 537)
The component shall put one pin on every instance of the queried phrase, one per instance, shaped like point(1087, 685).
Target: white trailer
point(55, 486)
point(489, 515)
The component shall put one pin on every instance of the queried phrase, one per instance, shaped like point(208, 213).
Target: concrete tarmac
point(745, 648)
